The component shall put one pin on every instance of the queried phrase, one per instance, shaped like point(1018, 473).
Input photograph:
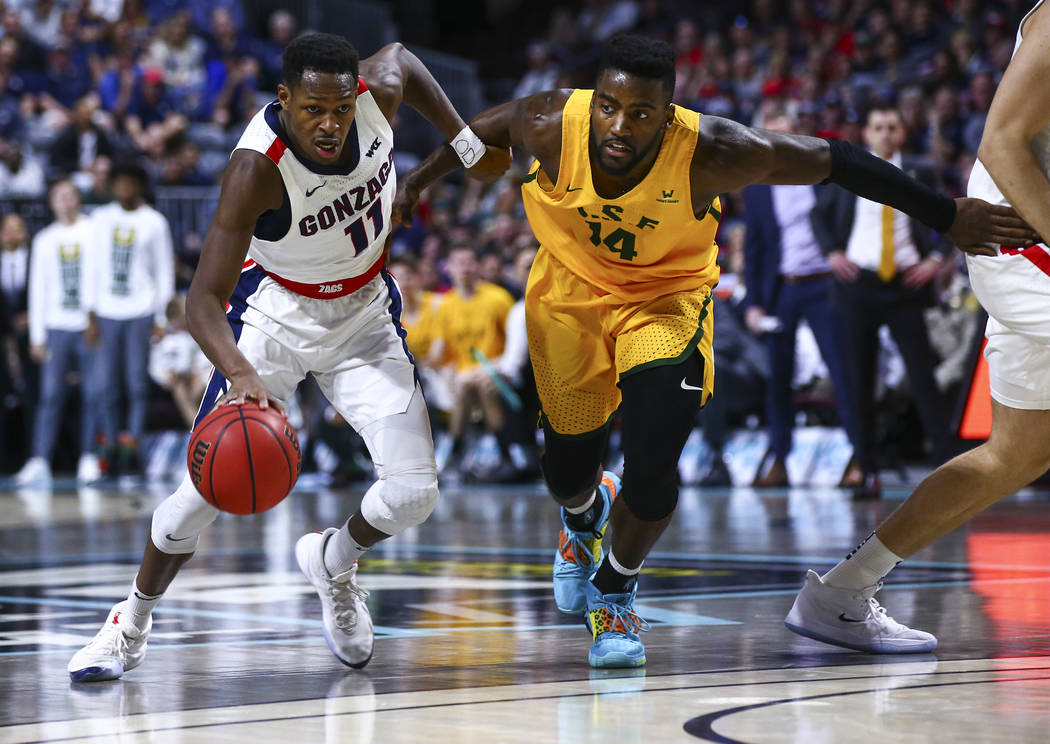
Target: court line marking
point(383, 631)
point(702, 727)
point(787, 560)
point(137, 724)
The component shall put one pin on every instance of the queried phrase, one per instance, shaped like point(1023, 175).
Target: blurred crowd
point(86, 84)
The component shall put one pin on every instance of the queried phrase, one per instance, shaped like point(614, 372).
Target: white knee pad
point(178, 521)
point(403, 499)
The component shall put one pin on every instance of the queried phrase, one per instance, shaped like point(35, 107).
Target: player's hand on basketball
point(405, 201)
point(978, 223)
point(249, 387)
point(493, 164)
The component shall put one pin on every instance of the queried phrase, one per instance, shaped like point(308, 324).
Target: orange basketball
point(244, 459)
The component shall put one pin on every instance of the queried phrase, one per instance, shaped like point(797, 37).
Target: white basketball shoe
point(347, 624)
point(117, 648)
point(852, 619)
point(88, 469)
point(35, 472)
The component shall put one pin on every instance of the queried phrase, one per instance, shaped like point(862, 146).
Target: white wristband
point(468, 146)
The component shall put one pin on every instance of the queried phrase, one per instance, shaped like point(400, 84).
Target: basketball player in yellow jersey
point(623, 199)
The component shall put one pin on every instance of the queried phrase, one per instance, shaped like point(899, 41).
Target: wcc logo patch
point(372, 148)
point(668, 197)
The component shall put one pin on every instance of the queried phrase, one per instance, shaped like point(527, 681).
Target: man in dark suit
point(788, 279)
point(884, 263)
point(22, 378)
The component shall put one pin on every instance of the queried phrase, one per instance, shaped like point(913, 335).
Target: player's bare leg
point(1015, 454)
point(158, 569)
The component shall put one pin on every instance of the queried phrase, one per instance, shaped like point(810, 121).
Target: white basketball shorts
point(354, 345)
point(1014, 288)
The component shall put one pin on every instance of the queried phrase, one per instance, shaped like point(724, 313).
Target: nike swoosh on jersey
point(570, 188)
point(686, 386)
point(169, 536)
point(310, 192)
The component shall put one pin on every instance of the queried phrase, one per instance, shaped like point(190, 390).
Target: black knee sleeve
point(571, 465)
point(659, 410)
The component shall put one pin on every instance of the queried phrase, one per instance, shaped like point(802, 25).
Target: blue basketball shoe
point(579, 553)
point(614, 625)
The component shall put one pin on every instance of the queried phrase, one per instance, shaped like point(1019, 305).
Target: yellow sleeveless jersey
point(644, 244)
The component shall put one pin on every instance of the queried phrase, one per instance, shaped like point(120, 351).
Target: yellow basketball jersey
point(644, 244)
point(478, 322)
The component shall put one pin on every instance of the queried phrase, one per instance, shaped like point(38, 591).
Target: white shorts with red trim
point(354, 345)
point(1014, 289)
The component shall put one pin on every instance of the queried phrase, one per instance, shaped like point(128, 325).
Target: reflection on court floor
point(471, 648)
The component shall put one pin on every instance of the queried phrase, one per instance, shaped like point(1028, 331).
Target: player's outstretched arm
point(251, 185)
point(1019, 111)
point(395, 76)
point(532, 123)
point(730, 155)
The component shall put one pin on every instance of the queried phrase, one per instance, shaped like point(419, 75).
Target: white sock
point(620, 569)
point(341, 551)
point(140, 606)
point(866, 566)
point(582, 507)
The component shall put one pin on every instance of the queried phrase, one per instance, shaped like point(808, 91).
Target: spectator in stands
point(181, 167)
point(154, 121)
point(520, 417)
point(81, 144)
point(97, 190)
point(53, 94)
point(884, 263)
point(741, 359)
point(542, 73)
point(21, 172)
point(131, 280)
point(57, 322)
point(224, 40)
point(789, 282)
point(120, 86)
point(14, 284)
point(181, 55)
point(30, 55)
point(177, 364)
point(268, 52)
point(602, 19)
point(41, 20)
point(471, 329)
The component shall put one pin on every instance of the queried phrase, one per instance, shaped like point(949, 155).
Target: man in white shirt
point(132, 278)
point(57, 322)
point(884, 263)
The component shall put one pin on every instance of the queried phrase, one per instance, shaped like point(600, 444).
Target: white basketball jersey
point(334, 221)
point(981, 185)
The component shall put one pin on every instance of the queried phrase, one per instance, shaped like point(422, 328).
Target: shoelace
point(628, 618)
point(876, 611)
point(574, 545)
point(343, 609)
point(113, 643)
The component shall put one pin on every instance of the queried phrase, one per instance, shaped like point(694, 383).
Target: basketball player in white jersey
point(307, 198)
point(1013, 285)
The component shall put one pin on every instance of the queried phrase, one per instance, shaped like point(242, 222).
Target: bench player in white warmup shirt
point(1013, 285)
point(306, 199)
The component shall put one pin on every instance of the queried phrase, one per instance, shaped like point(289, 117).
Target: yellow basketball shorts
point(582, 342)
